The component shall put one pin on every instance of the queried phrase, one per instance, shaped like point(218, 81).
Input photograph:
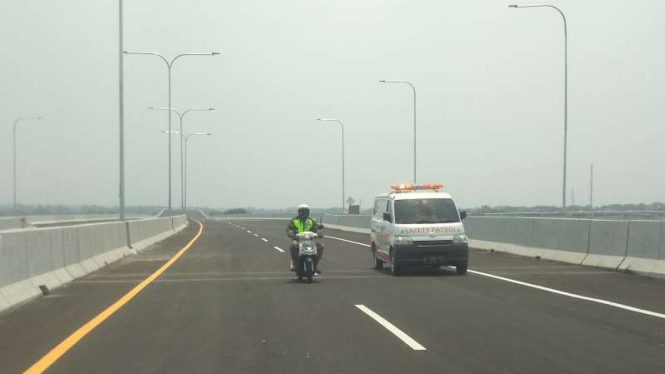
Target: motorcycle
point(307, 254)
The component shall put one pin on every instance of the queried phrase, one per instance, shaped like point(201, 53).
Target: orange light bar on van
point(417, 187)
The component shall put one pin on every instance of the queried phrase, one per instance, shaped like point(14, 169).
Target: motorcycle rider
point(303, 222)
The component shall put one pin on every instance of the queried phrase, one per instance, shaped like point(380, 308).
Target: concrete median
point(140, 234)
point(89, 245)
point(72, 254)
point(607, 244)
point(58, 255)
point(144, 233)
point(643, 255)
point(162, 228)
point(40, 259)
point(348, 222)
point(13, 223)
point(51, 257)
point(114, 239)
point(562, 240)
point(179, 223)
point(659, 269)
point(15, 287)
point(499, 234)
point(574, 241)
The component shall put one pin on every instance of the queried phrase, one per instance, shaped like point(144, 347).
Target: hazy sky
point(490, 99)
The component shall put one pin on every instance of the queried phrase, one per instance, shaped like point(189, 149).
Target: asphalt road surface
point(228, 304)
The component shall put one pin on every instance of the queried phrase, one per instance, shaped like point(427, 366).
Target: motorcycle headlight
point(460, 239)
point(403, 240)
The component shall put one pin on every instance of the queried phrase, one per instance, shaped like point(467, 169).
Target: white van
point(418, 226)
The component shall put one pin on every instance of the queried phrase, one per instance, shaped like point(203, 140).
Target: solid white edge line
point(264, 239)
point(345, 240)
point(279, 249)
point(547, 289)
point(574, 296)
point(390, 327)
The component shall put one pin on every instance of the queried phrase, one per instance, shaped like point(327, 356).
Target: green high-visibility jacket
point(296, 225)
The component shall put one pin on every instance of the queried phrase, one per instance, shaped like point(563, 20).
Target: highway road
point(220, 299)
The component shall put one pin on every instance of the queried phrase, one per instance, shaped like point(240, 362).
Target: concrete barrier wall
point(15, 286)
point(180, 222)
point(635, 246)
point(608, 241)
point(145, 233)
point(80, 217)
point(35, 261)
point(13, 223)
point(349, 222)
point(645, 253)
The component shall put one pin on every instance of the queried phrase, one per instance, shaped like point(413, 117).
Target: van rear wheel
point(461, 269)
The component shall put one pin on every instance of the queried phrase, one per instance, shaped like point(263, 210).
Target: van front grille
point(432, 243)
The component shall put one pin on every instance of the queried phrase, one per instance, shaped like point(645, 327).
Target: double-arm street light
point(414, 122)
point(343, 176)
point(169, 65)
point(565, 91)
point(181, 115)
point(185, 138)
point(16, 122)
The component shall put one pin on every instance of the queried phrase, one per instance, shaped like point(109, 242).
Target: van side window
point(385, 208)
point(377, 209)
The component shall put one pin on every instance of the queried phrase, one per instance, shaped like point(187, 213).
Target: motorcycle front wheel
point(309, 270)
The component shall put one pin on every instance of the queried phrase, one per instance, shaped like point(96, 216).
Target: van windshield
point(414, 211)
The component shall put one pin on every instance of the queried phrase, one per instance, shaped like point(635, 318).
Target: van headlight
point(403, 240)
point(460, 239)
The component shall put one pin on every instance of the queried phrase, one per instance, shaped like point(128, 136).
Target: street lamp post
point(565, 92)
point(121, 113)
point(181, 115)
point(186, 138)
point(414, 122)
point(16, 122)
point(343, 172)
point(169, 65)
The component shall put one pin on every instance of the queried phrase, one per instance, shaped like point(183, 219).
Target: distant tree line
point(216, 212)
point(653, 207)
point(252, 210)
point(46, 210)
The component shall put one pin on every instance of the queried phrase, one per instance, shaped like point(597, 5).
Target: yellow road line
point(62, 348)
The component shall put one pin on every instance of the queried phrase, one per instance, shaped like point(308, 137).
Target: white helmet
point(303, 209)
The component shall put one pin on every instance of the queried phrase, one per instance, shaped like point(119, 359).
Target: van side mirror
point(386, 217)
point(462, 214)
point(320, 227)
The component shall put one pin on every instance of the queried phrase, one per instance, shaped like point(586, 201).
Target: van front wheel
point(378, 264)
point(394, 269)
